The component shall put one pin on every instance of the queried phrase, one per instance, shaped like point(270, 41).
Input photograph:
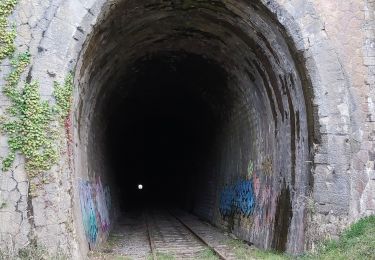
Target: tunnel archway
point(161, 131)
point(206, 105)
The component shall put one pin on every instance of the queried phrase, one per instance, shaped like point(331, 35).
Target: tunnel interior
point(161, 134)
point(206, 105)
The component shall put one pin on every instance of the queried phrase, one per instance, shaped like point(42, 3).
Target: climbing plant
point(31, 129)
point(18, 64)
point(63, 96)
point(29, 121)
point(7, 35)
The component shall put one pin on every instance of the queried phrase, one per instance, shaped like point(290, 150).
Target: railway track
point(168, 236)
point(156, 234)
point(184, 237)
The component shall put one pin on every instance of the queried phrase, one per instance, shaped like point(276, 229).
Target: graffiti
point(88, 212)
point(238, 199)
point(256, 184)
point(95, 205)
point(226, 201)
point(101, 206)
point(244, 200)
point(264, 210)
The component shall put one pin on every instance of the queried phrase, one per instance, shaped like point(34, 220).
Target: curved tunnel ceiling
point(261, 106)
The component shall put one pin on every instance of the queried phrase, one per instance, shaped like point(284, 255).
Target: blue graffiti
point(88, 212)
point(226, 201)
point(244, 201)
point(238, 199)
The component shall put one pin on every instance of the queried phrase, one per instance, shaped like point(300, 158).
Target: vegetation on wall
point(31, 129)
point(30, 121)
point(63, 96)
point(7, 35)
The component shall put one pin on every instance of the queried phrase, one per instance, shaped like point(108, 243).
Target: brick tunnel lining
point(220, 84)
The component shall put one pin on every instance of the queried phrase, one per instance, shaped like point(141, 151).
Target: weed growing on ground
point(356, 242)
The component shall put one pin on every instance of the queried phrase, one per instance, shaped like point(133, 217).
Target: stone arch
point(326, 120)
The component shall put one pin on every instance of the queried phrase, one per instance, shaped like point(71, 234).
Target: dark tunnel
point(204, 104)
point(161, 134)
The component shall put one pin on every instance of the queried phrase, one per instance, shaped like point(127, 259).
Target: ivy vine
point(7, 34)
point(30, 123)
point(63, 96)
point(31, 129)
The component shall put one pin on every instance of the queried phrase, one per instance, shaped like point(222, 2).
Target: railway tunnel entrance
point(162, 135)
point(204, 105)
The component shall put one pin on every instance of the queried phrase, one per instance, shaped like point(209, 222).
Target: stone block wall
point(328, 45)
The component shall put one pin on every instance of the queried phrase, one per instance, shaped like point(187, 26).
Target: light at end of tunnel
point(140, 187)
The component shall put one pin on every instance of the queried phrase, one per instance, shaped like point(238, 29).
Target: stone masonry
point(322, 51)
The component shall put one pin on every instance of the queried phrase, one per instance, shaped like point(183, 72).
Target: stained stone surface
point(298, 102)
